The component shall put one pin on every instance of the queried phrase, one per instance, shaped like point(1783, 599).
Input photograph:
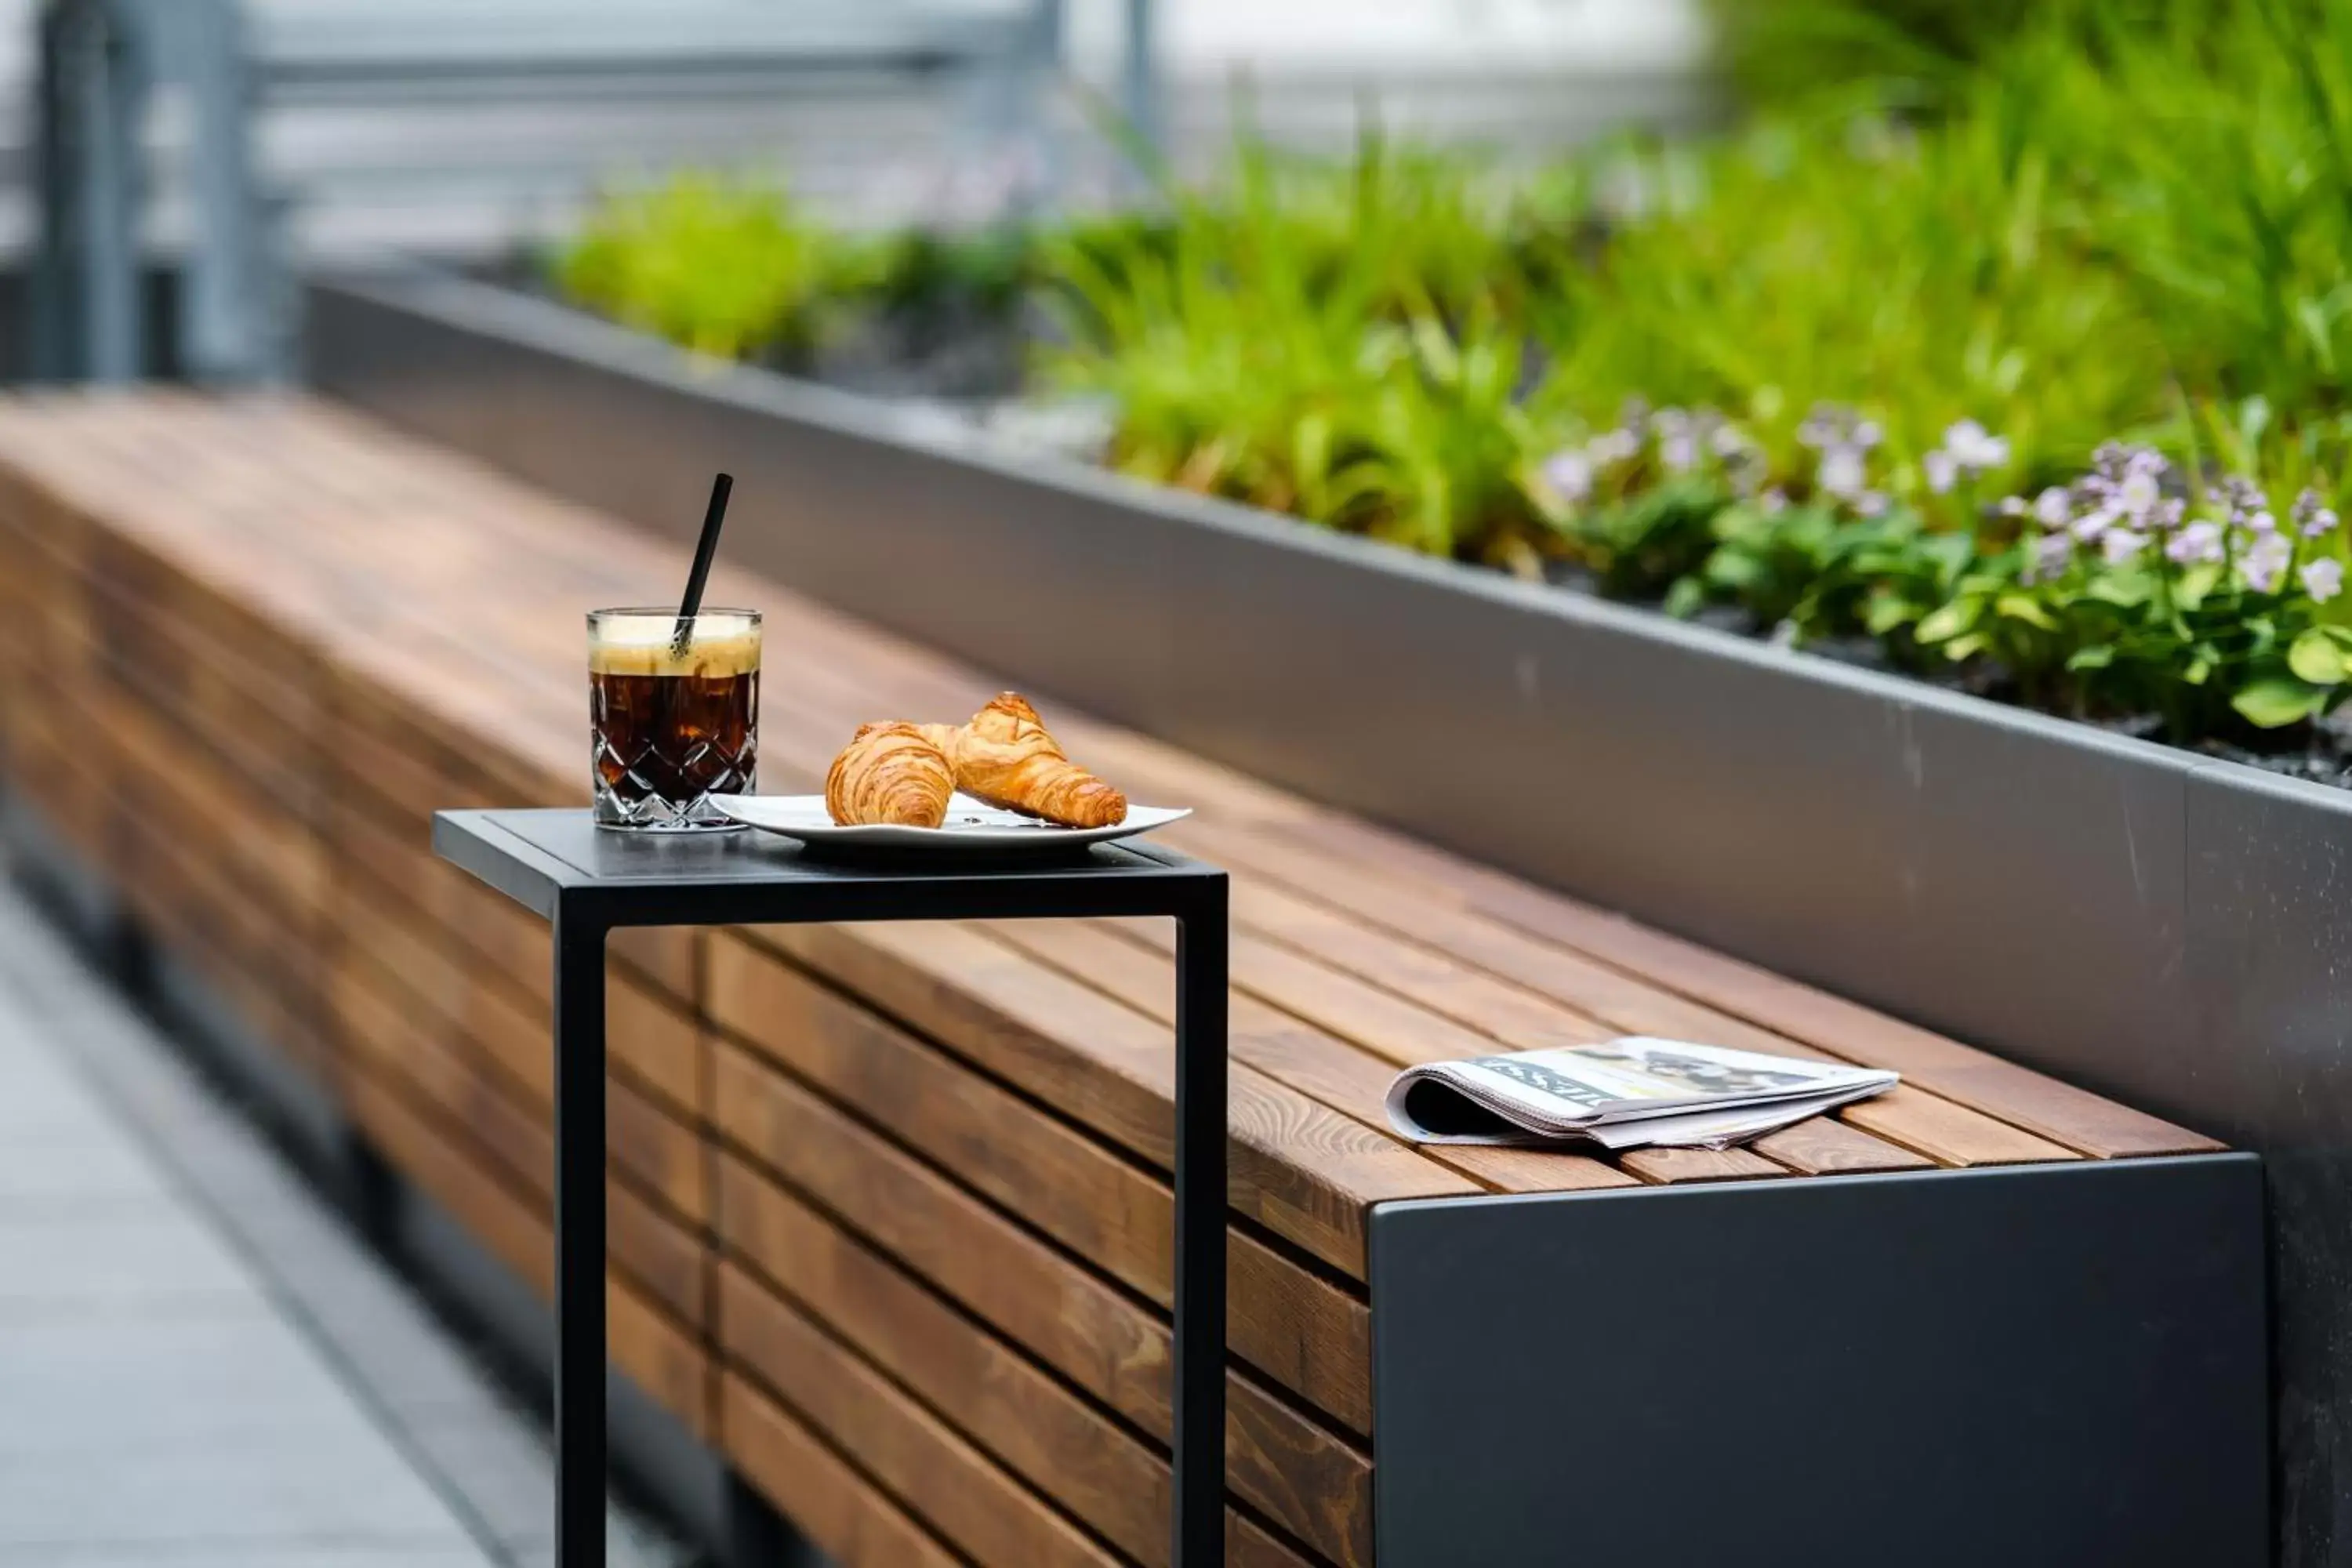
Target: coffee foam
point(642, 647)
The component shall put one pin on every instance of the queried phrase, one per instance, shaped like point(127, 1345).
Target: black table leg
point(579, 1244)
point(1199, 1488)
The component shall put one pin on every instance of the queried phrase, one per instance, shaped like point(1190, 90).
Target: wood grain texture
point(2077, 1117)
point(1036, 1424)
point(1303, 1331)
point(933, 1472)
point(669, 1362)
point(843, 1513)
point(1299, 1168)
point(1098, 1340)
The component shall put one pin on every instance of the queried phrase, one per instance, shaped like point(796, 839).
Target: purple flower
point(1827, 425)
point(2265, 563)
point(2121, 545)
point(1612, 446)
point(2138, 494)
point(1870, 503)
point(2053, 507)
point(1973, 450)
point(2166, 515)
point(1841, 472)
point(1942, 468)
point(2322, 579)
point(2051, 554)
point(2091, 524)
point(1569, 474)
point(1773, 501)
point(1678, 441)
point(2241, 499)
point(2200, 540)
point(2313, 517)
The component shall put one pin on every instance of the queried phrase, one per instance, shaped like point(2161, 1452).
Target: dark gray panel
point(2271, 926)
point(2042, 1367)
point(2043, 882)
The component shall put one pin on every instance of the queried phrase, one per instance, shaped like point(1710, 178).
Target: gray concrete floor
point(200, 1365)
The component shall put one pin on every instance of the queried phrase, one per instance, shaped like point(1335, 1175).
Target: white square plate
point(971, 827)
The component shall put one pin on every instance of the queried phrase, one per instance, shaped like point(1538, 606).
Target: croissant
point(1006, 757)
point(889, 774)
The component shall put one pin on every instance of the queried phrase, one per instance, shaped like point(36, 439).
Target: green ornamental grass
point(2019, 356)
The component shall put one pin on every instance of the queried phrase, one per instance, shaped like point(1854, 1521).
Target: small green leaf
point(2098, 656)
point(2195, 584)
point(1962, 648)
point(2125, 590)
point(2277, 701)
point(2025, 607)
point(1950, 621)
point(2317, 658)
point(1734, 570)
point(1684, 599)
point(1887, 611)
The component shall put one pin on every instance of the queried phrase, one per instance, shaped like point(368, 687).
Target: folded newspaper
point(1632, 1094)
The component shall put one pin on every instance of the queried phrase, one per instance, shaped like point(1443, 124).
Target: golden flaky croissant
point(889, 772)
point(1007, 758)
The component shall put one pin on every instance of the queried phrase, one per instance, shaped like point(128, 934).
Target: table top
point(552, 858)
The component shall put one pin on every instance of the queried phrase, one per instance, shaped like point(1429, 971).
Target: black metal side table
point(586, 881)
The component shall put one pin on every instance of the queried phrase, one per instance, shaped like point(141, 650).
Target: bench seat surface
point(890, 1215)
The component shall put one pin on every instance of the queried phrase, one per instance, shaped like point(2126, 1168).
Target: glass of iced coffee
point(673, 714)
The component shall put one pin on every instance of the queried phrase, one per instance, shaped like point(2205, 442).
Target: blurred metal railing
point(108, 67)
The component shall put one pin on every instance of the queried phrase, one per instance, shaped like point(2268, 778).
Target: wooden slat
point(1670, 1166)
point(2076, 1117)
point(660, 1250)
point(1092, 1334)
point(1032, 1421)
point(664, 1361)
point(934, 1473)
point(1095, 1203)
point(1823, 1146)
point(845, 1516)
point(1299, 1169)
point(1952, 1133)
point(1288, 1048)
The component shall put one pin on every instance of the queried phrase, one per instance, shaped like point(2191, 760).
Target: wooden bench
point(890, 1223)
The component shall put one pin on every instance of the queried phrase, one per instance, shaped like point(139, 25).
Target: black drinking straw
point(704, 549)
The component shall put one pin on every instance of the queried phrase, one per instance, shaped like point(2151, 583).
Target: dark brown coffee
point(670, 729)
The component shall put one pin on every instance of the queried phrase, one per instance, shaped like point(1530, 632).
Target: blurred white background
point(473, 174)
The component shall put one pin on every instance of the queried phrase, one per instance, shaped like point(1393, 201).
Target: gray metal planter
point(2171, 931)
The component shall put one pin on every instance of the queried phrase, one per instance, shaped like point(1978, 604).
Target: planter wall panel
point(2269, 913)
